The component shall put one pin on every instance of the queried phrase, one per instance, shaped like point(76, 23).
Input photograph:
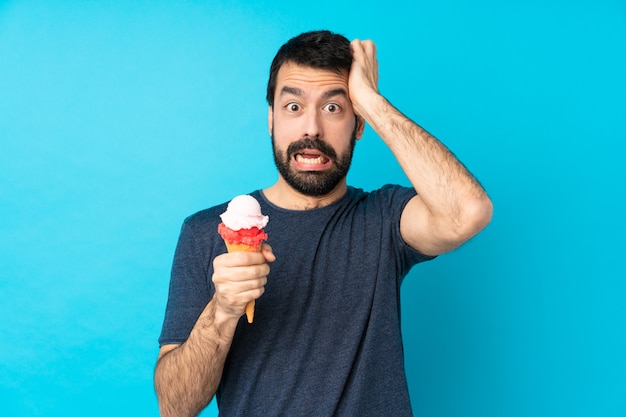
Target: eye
point(332, 108)
point(293, 107)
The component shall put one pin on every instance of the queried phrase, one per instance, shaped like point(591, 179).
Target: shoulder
point(199, 226)
point(209, 218)
point(389, 195)
point(211, 215)
point(206, 216)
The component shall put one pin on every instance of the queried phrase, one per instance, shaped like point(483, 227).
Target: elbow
point(472, 217)
point(476, 214)
point(481, 212)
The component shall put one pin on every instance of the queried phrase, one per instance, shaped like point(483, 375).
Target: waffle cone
point(240, 247)
point(235, 247)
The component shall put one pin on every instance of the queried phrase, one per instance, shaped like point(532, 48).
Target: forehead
point(303, 77)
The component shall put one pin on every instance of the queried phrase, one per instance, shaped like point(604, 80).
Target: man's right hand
point(188, 375)
point(240, 277)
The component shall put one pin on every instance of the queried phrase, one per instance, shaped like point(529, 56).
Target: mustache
point(309, 143)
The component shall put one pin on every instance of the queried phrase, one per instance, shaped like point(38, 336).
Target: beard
point(313, 183)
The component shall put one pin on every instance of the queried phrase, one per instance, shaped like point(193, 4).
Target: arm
point(451, 206)
point(188, 375)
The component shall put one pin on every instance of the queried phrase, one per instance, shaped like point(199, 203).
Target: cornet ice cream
point(242, 230)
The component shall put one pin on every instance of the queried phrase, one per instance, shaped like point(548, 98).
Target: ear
point(270, 119)
point(360, 127)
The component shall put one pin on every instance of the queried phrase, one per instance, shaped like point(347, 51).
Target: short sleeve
point(190, 287)
point(394, 198)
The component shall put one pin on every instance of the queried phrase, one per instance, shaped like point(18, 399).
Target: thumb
point(267, 252)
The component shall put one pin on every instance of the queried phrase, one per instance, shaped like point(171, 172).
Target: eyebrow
point(291, 90)
point(340, 91)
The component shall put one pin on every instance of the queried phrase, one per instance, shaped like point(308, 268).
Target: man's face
point(313, 128)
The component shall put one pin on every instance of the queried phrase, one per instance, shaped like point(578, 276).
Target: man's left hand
point(363, 80)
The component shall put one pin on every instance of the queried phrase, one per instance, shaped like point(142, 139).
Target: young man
point(326, 335)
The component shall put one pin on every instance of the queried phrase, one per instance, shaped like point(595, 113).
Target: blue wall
point(118, 119)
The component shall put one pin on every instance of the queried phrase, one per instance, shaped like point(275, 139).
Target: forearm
point(187, 377)
point(448, 190)
point(451, 205)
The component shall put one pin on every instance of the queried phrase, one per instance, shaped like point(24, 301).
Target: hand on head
point(363, 80)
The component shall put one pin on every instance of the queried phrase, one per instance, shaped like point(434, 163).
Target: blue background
point(119, 119)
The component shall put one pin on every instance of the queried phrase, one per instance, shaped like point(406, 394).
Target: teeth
point(304, 160)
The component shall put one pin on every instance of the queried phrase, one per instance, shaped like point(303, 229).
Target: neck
point(284, 196)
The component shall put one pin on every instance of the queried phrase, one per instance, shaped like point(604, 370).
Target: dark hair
point(320, 49)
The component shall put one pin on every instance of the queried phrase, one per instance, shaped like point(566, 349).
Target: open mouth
point(309, 160)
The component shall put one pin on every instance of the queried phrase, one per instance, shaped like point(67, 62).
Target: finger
point(242, 299)
point(369, 48)
point(235, 302)
point(228, 277)
point(246, 273)
point(240, 292)
point(366, 47)
point(242, 258)
point(357, 48)
point(243, 287)
point(252, 294)
point(268, 253)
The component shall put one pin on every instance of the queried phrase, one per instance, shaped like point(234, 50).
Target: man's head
point(310, 117)
point(318, 49)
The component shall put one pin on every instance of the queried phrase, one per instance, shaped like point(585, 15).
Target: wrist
point(224, 321)
point(367, 104)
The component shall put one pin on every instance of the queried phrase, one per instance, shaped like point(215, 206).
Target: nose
point(312, 124)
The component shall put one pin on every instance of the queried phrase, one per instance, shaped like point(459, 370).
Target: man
point(326, 335)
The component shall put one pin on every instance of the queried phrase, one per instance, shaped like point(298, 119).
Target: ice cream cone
point(242, 230)
point(234, 247)
point(240, 247)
